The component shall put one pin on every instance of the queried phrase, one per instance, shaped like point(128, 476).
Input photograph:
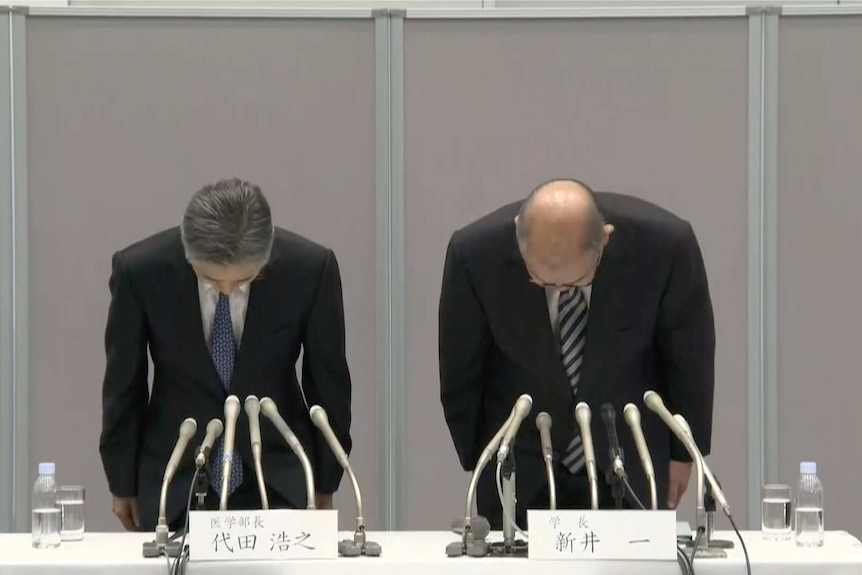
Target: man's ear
point(606, 233)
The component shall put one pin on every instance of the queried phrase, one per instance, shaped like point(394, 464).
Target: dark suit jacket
point(650, 326)
point(295, 304)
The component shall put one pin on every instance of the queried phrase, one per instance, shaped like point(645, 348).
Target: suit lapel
point(607, 311)
point(252, 335)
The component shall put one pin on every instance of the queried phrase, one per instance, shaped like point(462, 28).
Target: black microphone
point(609, 417)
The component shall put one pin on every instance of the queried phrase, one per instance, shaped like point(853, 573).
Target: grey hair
point(228, 223)
point(594, 234)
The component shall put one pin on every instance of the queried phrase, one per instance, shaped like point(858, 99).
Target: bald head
point(561, 232)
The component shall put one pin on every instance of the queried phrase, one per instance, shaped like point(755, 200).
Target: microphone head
point(231, 407)
point(608, 414)
point(583, 415)
point(267, 407)
point(543, 420)
point(215, 427)
point(632, 414)
point(524, 403)
point(318, 416)
point(653, 401)
point(252, 406)
point(188, 428)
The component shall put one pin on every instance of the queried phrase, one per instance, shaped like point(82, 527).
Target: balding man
point(575, 296)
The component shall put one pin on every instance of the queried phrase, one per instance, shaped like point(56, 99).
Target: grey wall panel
point(654, 108)
point(127, 119)
point(820, 135)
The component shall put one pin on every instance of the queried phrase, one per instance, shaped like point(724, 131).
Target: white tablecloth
point(419, 553)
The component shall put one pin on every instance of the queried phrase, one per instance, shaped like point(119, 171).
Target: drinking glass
point(70, 498)
point(776, 512)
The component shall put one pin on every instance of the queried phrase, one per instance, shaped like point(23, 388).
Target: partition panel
point(127, 118)
point(820, 137)
point(654, 108)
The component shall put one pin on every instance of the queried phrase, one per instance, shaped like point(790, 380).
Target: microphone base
point(518, 548)
point(351, 548)
point(152, 549)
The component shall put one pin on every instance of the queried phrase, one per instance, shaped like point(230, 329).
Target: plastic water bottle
point(809, 507)
point(46, 512)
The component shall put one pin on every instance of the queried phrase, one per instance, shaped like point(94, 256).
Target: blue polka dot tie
point(224, 357)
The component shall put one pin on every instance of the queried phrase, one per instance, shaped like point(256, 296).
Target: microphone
point(520, 410)
point(252, 410)
point(187, 431)
point(655, 404)
point(214, 431)
point(633, 417)
point(717, 492)
point(583, 416)
point(359, 545)
point(471, 542)
point(543, 422)
point(231, 412)
point(269, 409)
point(609, 418)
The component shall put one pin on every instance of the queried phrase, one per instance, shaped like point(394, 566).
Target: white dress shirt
point(208, 295)
point(553, 297)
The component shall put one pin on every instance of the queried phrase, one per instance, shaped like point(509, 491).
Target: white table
point(419, 553)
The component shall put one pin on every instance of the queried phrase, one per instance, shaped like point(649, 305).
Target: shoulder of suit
point(641, 218)
point(156, 251)
point(490, 234)
point(290, 245)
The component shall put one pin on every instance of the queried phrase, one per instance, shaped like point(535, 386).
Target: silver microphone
point(633, 417)
point(707, 472)
point(472, 543)
point(252, 410)
point(543, 422)
point(583, 416)
point(231, 413)
point(519, 412)
point(359, 545)
point(269, 409)
point(214, 431)
point(187, 431)
point(655, 404)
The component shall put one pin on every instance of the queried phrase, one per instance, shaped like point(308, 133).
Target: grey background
point(122, 130)
point(820, 135)
point(127, 118)
point(494, 107)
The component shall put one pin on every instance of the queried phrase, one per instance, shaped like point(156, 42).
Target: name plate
point(261, 535)
point(573, 534)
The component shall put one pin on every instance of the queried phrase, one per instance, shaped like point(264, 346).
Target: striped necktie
point(224, 358)
point(573, 338)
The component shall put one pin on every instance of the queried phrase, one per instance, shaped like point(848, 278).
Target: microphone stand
point(509, 546)
point(709, 546)
point(201, 488)
point(618, 486)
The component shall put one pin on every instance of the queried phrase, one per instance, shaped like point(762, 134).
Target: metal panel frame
point(20, 486)
point(389, 109)
point(7, 230)
point(603, 12)
point(762, 371)
point(237, 11)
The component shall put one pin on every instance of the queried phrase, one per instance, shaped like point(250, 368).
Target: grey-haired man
point(224, 303)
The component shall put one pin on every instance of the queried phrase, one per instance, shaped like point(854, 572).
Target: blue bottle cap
point(47, 469)
point(808, 468)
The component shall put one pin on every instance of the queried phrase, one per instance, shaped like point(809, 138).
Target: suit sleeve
point(325, 375)
point(464, 343)
point(124, 389)
point(687, 344)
